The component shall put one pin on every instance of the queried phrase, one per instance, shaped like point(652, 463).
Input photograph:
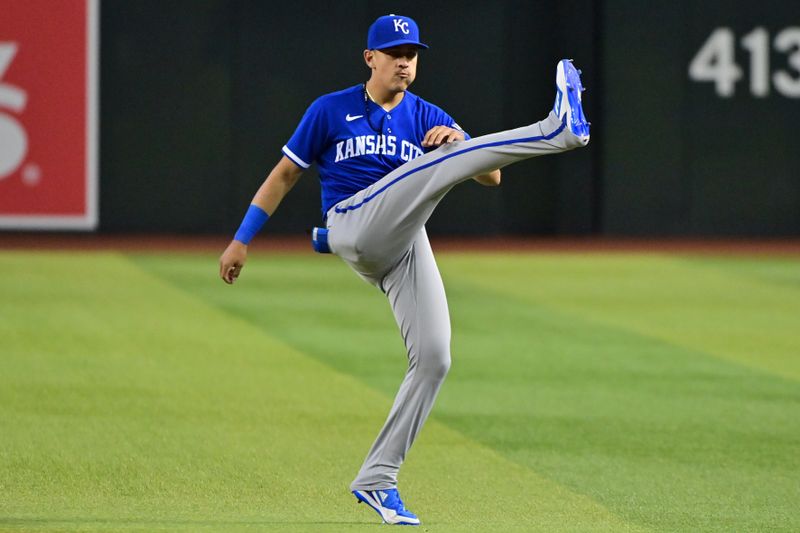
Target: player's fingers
point(451, 136)
point(437, 135)
point(428, 137)
point(226, 273)
point(441, 136)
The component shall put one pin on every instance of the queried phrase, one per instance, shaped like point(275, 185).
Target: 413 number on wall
point(715, 62)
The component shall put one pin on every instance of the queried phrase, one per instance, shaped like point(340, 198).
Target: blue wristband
point(253, 221)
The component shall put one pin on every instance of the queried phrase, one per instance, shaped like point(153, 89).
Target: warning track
point(505, 244)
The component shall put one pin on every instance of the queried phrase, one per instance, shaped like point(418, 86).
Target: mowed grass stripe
point(662, 434)
point(749, 319)
point(126, 403)
point(781, 271)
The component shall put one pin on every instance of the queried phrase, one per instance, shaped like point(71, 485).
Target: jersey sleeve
point(308, 140)
point(436, 116)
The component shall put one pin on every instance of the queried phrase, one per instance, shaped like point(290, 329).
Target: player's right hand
point(232, 261)
point(439, 135)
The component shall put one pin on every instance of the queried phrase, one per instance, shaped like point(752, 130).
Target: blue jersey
point(356, 142)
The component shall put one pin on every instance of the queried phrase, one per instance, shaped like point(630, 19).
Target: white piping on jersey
point(291, 155)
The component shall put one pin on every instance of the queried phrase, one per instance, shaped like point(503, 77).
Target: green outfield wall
point(693, 105)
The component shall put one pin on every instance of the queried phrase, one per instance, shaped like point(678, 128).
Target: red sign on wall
point(48, 114)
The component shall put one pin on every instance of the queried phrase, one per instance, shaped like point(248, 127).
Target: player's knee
point(435, 361)
point(441, 367)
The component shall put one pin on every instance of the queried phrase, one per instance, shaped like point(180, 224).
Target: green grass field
point(620, 392)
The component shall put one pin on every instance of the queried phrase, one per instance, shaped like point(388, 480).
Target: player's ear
point(368, 58)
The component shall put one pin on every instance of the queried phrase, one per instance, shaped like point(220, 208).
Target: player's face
point(394, 68)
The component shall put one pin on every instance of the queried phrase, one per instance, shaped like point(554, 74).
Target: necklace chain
point(367, 98)
point(369, 95)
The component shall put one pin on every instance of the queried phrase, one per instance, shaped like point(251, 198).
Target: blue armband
point(253, 221)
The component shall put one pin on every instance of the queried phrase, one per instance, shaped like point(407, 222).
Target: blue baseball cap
point(393, 30)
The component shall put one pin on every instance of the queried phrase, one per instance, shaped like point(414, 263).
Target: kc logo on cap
point(393, 30)
point(400, 25)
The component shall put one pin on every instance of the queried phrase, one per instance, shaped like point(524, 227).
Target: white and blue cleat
point(388, 504)
point(568, 99)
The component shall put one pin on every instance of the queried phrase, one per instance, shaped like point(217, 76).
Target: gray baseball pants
point(380, 233)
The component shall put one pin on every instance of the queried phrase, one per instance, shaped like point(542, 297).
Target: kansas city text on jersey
point(375, 144)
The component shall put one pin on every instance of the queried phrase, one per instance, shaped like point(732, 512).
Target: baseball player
point(386, 157)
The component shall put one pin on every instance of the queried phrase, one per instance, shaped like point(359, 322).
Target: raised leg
point(373, 228)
